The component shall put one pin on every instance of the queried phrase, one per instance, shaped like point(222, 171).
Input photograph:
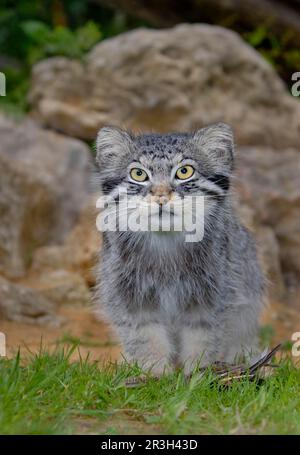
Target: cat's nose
point(161, 194)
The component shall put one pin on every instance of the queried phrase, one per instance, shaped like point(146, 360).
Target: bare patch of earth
point(79, 327)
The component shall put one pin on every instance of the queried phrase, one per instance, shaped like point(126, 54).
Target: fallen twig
point(226, 373)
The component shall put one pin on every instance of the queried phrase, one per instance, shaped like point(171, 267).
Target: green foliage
point(47, 394)
point(277, 50)
point(31, 31)
point(14, 103)
point(266, 334)
point(68, 339)
point(44, 41)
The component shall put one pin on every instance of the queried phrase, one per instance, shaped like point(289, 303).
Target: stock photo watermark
point(296, 86)
point(2, 344)
point(134, 214)
point(296, 346)
point(2, 84)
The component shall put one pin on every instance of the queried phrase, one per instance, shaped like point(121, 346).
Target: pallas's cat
point(173, 302)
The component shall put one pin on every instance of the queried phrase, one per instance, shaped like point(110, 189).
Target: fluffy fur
point(175, 303)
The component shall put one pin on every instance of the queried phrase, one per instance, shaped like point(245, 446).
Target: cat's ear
point(113, 145)
point(216, 142)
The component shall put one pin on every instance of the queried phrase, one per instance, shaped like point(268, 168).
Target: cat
point(177, 304)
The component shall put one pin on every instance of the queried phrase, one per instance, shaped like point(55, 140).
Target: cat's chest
point(166, 294)
point(165, 284)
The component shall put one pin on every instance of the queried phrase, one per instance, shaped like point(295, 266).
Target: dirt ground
point(283, 317)
point(79, 326)
point(95, 337)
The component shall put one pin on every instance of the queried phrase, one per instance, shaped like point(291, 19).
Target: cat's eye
point(185, 172)
point(139, 175)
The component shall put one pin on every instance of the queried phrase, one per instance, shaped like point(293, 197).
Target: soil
point(79, 326)
point(96, 338)
point(284, 318)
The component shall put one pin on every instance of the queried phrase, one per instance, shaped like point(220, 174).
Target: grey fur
point(174, 303)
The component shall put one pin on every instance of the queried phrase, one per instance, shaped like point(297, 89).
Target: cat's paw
point(158, 369)
point(192, 365)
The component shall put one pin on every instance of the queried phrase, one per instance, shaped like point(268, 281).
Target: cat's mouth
point(157, 210)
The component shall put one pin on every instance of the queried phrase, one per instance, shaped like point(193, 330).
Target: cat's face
point(159, 172)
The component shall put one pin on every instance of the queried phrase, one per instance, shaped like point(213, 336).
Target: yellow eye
point(185, 172)
point(139, 175)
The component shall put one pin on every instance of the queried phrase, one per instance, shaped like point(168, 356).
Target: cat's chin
point(166, 240)
point(162, 243)
point(166, 233)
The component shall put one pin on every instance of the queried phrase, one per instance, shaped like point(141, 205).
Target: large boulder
point(21, 304)
point(78, 253)
point(44, 179)
point(175, 79)
point(268, 248)
point(61, 287)
point(269, 255)
point(268, 182)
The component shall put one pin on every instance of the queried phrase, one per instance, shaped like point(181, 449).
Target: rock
point(21, 304)
point(44, 180)
point(176, 79)
point(282, 319)
point(268, 252)
point(67, 79)
point(269, 255)
point(62, 287)
point(78, 253)
point(268, 183)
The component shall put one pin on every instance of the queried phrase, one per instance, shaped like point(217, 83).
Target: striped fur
point(174, 303)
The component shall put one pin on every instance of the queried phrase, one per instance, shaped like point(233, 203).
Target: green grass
point(85, 341)
point(48, 394)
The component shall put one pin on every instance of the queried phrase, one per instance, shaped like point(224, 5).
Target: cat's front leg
point(195, 348)
point(149, 346)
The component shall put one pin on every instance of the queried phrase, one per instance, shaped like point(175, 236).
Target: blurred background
point(73, 66)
